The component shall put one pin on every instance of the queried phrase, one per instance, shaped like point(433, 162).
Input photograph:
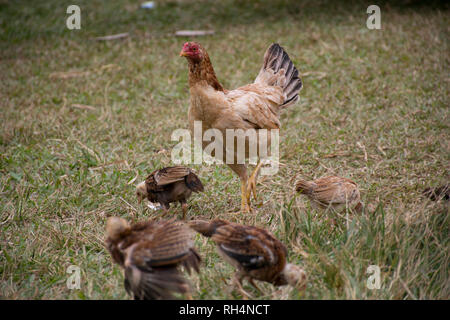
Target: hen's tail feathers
point(278, 69)
point(303, 186)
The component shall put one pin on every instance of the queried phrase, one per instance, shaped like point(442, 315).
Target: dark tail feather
point(276, 58)
point(194, 183)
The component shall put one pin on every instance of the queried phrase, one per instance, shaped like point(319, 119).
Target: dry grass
point(82, 118)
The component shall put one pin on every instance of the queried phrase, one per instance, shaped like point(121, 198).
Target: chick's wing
point(250, 246)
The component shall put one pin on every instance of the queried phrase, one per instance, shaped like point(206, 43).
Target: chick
point(150, 253)
point(441, 192)
point(254, 252)
point(331, 192)
point(167, 185)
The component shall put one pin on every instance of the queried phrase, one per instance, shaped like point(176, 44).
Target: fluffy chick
point(254, 252)
point(150, 253)
point(167, 185)
point(331, 192)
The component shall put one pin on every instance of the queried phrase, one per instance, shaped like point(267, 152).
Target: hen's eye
point(194, 49)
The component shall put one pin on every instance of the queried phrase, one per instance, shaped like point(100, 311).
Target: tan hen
point(256, 106)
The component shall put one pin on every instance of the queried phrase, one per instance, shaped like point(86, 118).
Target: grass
point(374, 108)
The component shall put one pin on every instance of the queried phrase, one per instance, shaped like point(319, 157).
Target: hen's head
point(192, 51)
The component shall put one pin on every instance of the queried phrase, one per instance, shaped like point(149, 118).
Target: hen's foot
point(245, 204)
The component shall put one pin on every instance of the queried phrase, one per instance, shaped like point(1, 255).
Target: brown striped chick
point(331, 192)
point(254, 252)
point(151, 253)
point(167, 185)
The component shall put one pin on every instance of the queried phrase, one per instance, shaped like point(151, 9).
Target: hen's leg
point(245, 203)
point(241, 170)
point(251, 184)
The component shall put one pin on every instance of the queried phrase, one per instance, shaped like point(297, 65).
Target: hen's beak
point(183, 53)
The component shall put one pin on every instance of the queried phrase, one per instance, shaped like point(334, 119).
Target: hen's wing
point(252, 247)
point(257, 105)
point(276, 87)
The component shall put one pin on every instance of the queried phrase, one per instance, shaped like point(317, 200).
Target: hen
point(254, 106)
point(151, 253)
point(332, 191)
point(167, 185)
point(255, 253)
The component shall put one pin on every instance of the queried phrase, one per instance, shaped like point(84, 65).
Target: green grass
point(374, 108)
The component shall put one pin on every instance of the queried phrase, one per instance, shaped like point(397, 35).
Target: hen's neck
point(203, 71)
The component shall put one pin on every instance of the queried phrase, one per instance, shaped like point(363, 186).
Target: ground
point(83, 121)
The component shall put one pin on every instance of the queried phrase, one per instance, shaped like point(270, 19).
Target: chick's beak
point(141, 191)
